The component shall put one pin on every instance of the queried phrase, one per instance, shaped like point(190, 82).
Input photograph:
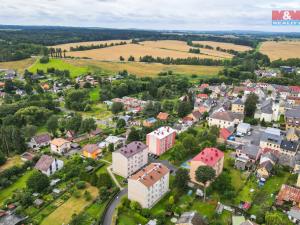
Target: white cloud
point(148, 14)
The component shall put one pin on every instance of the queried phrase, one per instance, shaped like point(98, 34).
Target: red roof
point(288, 194)
point(295, 88)
point(203, 86)
point(202, 96)
point(225, 133)
point(209, 156)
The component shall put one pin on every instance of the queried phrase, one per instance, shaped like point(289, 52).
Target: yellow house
point(91, 151)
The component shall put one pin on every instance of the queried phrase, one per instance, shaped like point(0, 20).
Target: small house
point(48, 165)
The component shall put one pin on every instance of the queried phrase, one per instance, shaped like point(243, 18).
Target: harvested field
point(146, 69)
point(240, 48)
point(281, 49)
point(19, 65)
point(164, 48)
point(88, 43)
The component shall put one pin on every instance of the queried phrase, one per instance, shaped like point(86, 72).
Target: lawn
point(94, 94)
point(19, 184)
point(10, 162)
point(99, 111)
point(63, 214)
point(19, 65)
point(60, 64)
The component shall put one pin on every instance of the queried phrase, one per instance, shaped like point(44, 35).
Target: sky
point(201, 15)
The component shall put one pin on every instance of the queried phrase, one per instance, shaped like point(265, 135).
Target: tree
point(52, 124)
point(276, 218)
point(131, 58)
point(122, 58)
point(11, 140)
point(250, 104)
point(117, 107)
point(205, 174)
point(111, 147)
point(121, 123)
point(181, 179)
point(38, 181)
point(104, 180)
point(189, 142)
point(168, 106)
point(87, 125)
point(134, 135)
point(73, 123)
point(8, 86)
point(184, 108)
point(77, 99)
point(29, 131)
point(2, 158)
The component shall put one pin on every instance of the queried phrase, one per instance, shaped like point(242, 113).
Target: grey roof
point(270, 156)
point(44, 163)
point(238, 101)
point(132, 149)
point(227, 115)
point(267, 165)
point(268, 137)
point(294, 212)
point(39, 139)
point(250, 150)
point(11, 219)
point(266, 107)
point(192, 218)
point(293, 113)
point(289, 145)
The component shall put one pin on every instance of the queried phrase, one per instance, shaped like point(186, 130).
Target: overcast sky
point(148, 14)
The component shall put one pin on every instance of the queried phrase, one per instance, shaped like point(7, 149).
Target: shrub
point(80, 185)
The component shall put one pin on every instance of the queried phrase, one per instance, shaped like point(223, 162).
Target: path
point(109, 170)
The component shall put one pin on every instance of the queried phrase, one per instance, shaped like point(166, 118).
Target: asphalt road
point(110, 211)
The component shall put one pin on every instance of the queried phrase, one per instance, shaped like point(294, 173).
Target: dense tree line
point(182, 61)
point(89, 47)
point(194, 50)
point(295, 62)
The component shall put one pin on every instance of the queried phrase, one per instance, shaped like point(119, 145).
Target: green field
point(60, 64)
point(19, 184)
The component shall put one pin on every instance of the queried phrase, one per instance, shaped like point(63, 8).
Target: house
point(289, 148)
point(292, 134)
point(212, 157)
point(129, 159)
point(243, 129)
point(60, 145)
point(288, 194)
point(114, 140)
point(48, 165)
point(266, 163)
point(91, 151)
point(162, 116)
point(202, 96)
point(251, 152)
point(292, 118)
point(149, 122)
point(225, 119)
point(191, 218)
point(38, 202)
point(161, 140)
point(271, 138)
point(238, 106)
point(27, 156)
point(225, 133)
point(149, 185)
point(267, 111)
point(95, 132)
point(71, 135)
point(39, 141)
point(294, 215)
point(287, 69)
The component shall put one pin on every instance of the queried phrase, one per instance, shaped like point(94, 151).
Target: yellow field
point(88, 43)
point(164, 48)
point(19, 66)
point(240, 48)
point(63, 214)
point(146, 69)
point(281, 49)
point(14, 161)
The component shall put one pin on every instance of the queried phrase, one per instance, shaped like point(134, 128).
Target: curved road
point(110, 211)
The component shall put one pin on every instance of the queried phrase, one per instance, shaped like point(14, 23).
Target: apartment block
point(149, 185)
point(161, 140)
point(129, 159)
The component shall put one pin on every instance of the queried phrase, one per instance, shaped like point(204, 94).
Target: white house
point(60, 146)
point(49, 165)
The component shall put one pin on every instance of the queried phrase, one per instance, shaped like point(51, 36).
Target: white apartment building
point(129, 159)
point(149, 185)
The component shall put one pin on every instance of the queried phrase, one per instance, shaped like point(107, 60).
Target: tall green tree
point(250, 104)
point(52, 124)
point(205, 174)
point(181, 179)
point(38, 181)
point(87, 125)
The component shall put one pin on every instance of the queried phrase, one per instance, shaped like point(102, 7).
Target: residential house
point(95, 132)
point(288, 194)
point(271, 139)
point(149, 185)
point(292, 134)
point(225, 119)
point(266, 164)
point(224, 134)
point(194, 117)
point(161, 140)
point(130, 158)
point(162, 116)
point(238, 106)
point(251, 152)
point(116, 141)
point(289, 148)
point(48, 165)
point(149, 122)
point(60, 145)
point(27, 156)
point(91, 151)
point(292, 118)
point(243, 129)
point(211, 157)
point(267, 111)
point(294, 215)
point(39, 141)
point(202, 96)
point(191, 218)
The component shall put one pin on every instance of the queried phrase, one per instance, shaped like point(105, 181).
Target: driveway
point(110, 211)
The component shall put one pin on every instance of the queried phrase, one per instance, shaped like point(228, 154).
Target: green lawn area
point(94, 94)
point(10, 162)
point(19, 184)
point(98, 111)
point(60, 64)
point(131, 219)
point(63, 214)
